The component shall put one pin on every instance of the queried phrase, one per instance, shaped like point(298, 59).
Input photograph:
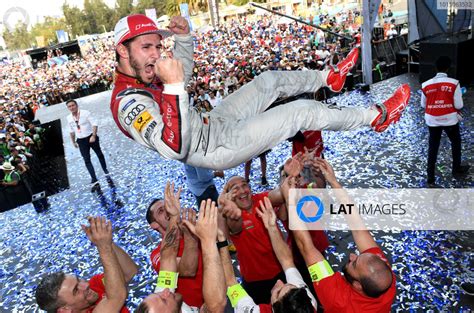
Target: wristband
point(222, 244)
point(235, 293)
point(167, 280)
point(320, 271)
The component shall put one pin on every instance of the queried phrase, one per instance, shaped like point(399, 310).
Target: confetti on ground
point(429, 265)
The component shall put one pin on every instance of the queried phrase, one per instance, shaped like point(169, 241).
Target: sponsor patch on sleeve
point(129, 103)
point(142, 120)
point(149, 130)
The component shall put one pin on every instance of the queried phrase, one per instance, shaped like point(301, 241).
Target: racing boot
point(337, 75)
point(391, 109)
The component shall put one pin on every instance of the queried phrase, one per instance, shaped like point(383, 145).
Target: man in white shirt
point(441, 98)
point(83, 132)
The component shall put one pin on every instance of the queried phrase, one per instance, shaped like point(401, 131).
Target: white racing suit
point(159, 117)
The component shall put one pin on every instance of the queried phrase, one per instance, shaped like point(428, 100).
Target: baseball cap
point(135, 25)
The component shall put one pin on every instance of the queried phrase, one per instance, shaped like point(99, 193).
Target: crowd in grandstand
point(19, 139)
point(50, 84)
point(226, 58)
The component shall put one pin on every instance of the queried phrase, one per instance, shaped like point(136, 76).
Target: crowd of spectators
point(226, 58)
point(50, 84)
point(19, 140)
point(24, 89)
point(230, 56)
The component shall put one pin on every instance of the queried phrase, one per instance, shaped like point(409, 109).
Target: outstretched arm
point(226, 260)
point(170, 242)
point(99, 233)
point(183, 45)
point(362, 237)
point(188, 264)
point(292, 168)
point(213, 286)
point(281, 249)
point(128, 266)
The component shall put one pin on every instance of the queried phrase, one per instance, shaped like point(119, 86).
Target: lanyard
point(77, 121)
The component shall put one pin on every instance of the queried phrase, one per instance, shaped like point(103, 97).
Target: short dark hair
point(149, 214)
point(126, 43)
point(296, 300)
point(142, 308)
point(443, 63)
point(47, 292)
point(71, 100)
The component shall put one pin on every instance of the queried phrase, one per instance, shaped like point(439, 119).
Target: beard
point(350, 279)
point(139, 69)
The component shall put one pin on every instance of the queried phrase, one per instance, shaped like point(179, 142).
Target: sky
point(36, 9)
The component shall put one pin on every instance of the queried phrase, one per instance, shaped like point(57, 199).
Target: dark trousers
point(209, 193)
point(85, 148)
point(435, 137)
point(261, 291)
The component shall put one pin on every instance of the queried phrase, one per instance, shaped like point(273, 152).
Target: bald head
point(376, 277)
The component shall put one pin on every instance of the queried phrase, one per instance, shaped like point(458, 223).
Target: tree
point(172, 7)
point(195, 6)
point(244, 2)
point(122, 8)
point(19, 38)
point(48, 29)
point(98, 16)
point(158, 5)
point(75, 19)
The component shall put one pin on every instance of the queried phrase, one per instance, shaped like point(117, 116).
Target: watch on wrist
point(222, 244)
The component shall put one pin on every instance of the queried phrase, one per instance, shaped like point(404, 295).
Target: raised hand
point(325, 168)
point(206, 225)
point(99, 231)
point(179, 25)
point(266, 213)
point(308, 155)
point(170, 71)
point(228, 208)
point(172, 205)
point(294, 166)
point(190, 216)
point(219, 174)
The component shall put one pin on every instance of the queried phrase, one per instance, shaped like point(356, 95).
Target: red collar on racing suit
point(122, 82)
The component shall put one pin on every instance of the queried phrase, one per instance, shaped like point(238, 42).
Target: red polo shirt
point(337, 295)
point(254, 248)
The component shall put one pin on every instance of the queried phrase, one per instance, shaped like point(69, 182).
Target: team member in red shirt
point(106, 292)
point(442, 99)
point(368, 283)
point(189, 255)
point(259, 265)
point(293, 296)
point(164, 299)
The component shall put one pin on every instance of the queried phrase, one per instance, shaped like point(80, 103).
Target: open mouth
point(150, 69)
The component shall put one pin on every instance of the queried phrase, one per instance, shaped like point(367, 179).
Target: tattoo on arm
point(171, 238)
